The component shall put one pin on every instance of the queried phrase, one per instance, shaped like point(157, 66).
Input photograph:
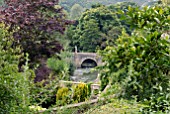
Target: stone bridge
point(82, 60)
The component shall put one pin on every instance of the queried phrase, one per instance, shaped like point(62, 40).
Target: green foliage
point(67, 4)
point(75, 110)
point(140, 62)
point(104, 80)
point(151, 19)
point(158, 102)
point(68, 58)
point(80, 92)
point(123, 6)
point(63, 96)
point(14, 85)
point(89, 89)
point(93, 27)
point(99, 26)
point(74, 94)
point(44, 92)
point(76, 11)
point(61, 93)
point(116, 106)
point(57, 65)
point(117, 9)
point(63, 66)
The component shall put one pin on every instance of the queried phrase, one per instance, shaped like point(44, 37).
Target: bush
point(44, 92)
point(63, 96)
point(140, 62)
point(46, 86)
point(62, 65)
point(14, 85)
point(77, 93)
point(159, 102)
point(80, 92)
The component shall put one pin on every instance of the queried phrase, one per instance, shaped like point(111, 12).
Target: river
point(84, 75)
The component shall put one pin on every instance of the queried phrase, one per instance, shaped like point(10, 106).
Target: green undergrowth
point(76, 110)
point(107, 106)
point(117, 106)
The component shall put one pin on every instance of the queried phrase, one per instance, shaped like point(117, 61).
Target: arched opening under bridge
point(88, 63)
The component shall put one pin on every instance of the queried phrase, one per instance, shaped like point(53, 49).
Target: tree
point(106, 27)
point(76, 11)
point(37, 22)
point(89, 38)
point(123, 8)
point(92, 25)
point(67, 4)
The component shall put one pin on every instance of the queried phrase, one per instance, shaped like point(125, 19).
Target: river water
point(84, 75)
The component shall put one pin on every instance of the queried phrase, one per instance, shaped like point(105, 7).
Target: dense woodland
point(37, 39)
point(67, 4)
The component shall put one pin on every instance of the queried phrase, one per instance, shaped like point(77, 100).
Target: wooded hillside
point(67, 4)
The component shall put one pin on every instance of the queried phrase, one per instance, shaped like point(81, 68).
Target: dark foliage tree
point(36, 22)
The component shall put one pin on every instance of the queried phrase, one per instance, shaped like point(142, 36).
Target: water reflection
point(84, 75)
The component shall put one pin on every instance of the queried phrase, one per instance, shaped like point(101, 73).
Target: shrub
point(63, 96)
point(46, 86)
point(159, 102)
point(80, 92)
point(14, 85)
point(62, 65)
point(44, 92)
point(77, 93)
point(140, 62)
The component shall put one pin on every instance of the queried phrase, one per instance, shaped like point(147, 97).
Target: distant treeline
point(67, 4)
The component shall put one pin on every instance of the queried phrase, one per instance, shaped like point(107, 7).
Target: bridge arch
point(82, 58)
point(88, 62)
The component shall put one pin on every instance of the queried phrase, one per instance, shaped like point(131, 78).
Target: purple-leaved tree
point(35, 23)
